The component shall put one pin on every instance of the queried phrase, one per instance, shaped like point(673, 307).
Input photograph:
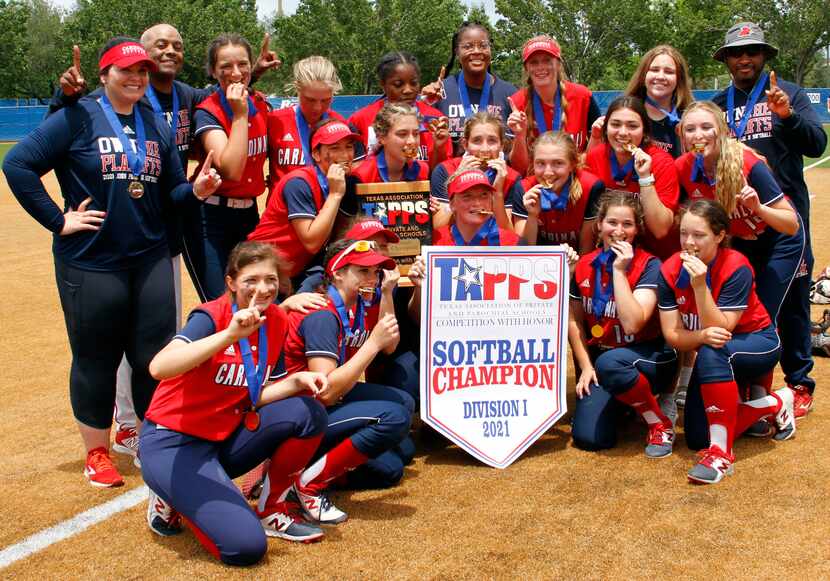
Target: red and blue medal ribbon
point(465, 96)
point(684, 279)
point(226, 107)
point(699, 172)
point(254, 374)
point(135, 158)
point(154, 103)
point(739, 129)
point(549, 200)
point(539, 113)
point(621, 174)
point(671, 115)
point(410, 171)
point(603, 261)
point(350, 328)
point(305, 134)
point(488, 230)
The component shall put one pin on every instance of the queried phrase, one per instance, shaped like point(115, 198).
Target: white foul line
point(68, 528)
point(819, 162)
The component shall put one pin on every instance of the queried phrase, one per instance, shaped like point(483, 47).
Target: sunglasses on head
point(359, 246)
point(751, 50)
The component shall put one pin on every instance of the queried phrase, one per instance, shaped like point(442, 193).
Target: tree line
point(602, 40)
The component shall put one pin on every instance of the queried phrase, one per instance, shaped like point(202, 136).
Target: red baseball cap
point(331, 133)
point(365, 229)
point(361, 253)
point(125, 55)
point(541, 44)
point(468, 179)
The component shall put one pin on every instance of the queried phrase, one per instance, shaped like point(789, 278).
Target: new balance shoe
point(802, 401)
point(162, 518)
point(760, 429)
point(100, 471)
point(785, 418)
point(680, 397)
point(282, 524)
point(714, 464)
point(126, 441)
point(319, 507)
point(660, 441)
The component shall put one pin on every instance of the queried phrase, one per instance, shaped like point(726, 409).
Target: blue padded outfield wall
point(19, 116)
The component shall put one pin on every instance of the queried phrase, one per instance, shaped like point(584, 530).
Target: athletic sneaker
point(760, 429)
point(680, 397)
point(660, 441)
point(284, 525)
point(100, 471)
point(785, 418)
point(163, 519)
point(318, 507)
point(126, 442)
point(802, 401)
point(714, 464)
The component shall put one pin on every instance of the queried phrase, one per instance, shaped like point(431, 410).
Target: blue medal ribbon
point(323, 180)
point(226, 107)
point(154, 103)
point(621, 174)
point(349, 328)
point(135, 157)
point(539, 113)
point(672, 115)
point(305, 133)
point(465, 96)
point(750, 105)
point(684, 279)
point(549, 200)
point(410, 171)
point(602, 294)
point(254, 374)
point(699, 171)
point(487, 230)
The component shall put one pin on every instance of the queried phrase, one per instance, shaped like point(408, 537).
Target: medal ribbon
point(750, 105)
point(226, 107)
point(621, 174)
point(550, 201)
point(489, 230)
point(684, 279)
point(699, 172)
point(349, 329)
point(602, 294)
point(137, 156)
point(305, 134)
point(323, 180)
point(465, 96)
point(410, 172)
point(539, 113)
point(672, 115)
point(174, 117)
point(255, 374)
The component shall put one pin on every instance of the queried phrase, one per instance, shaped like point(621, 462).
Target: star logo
point(469, 275)
point(380, 212)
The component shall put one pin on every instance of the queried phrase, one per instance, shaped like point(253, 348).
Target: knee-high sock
point(644, 403)
point(336, 462)
point(287, 463)
point(720, 400)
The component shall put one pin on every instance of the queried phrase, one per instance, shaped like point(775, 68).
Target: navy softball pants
point(195, 475)
point(744, 358)
point(595, 416)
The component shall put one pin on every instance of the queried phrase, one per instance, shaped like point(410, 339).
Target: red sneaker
point(126, 441)
point(100, 471)
point(802, 401)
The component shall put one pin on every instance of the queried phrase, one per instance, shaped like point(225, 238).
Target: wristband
point(647, 181)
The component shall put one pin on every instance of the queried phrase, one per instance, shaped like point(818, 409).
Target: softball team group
point(687, 224)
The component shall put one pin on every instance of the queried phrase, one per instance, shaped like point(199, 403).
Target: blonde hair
point(561, 78)
point(389, 113)
point(314, 69)
point(483, 117)
point(729, 175)
point(682, 92)
point(566, 142)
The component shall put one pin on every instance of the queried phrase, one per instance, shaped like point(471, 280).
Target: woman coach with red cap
point(366, 421)
point(549, 102)
point(116, 166)
point(308, 201)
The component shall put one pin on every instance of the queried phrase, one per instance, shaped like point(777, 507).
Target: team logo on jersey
point(585, 283)
point(681, 301)
point(230, 351)
point(288, 137)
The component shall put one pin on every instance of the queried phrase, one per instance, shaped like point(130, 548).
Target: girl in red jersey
point(394, 159)
point(233, 124)
point(628, 160)
point(308, 202)
point(707, 301)
point(222, 407)
point(560, 199)
point(483, 143)
point(367, 421)
point(289, 130)
point(549, 102)
point(400, 80)
point(614, 334)
point(472, 222)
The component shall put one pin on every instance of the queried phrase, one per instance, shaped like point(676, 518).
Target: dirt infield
point(558, 512)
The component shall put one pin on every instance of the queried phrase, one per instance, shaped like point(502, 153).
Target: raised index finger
point(266, 43)
point(76, 57)
point(253, 299)
point(512, 104)
point(208, 161)
point(442, 74)
point(773, 81)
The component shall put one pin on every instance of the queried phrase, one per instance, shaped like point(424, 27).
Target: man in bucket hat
point(775, 118)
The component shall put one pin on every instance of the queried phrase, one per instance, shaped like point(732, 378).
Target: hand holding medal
point(623, 250)
point(440, 129)
point(237, 97)
point(208, 179)
point(694, 266)
point(531, 201)
point(386, 333)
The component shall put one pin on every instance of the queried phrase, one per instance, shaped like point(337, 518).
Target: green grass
point(4, 147)
point(812, 160)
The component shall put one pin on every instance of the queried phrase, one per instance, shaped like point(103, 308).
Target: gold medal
point(136, 189)
point(597, 331)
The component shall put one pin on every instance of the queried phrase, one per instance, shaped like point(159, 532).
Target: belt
point(238, 203)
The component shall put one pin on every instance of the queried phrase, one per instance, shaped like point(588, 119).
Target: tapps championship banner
point(493, 348)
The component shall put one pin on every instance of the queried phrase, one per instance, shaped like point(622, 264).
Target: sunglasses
point(359, 246)
point(751, 50)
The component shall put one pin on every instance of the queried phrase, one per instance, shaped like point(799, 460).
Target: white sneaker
point(785, 418)
point(162, 518)
point(319, 507)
